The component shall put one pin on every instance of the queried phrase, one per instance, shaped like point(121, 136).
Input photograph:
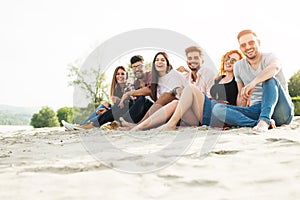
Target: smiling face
point(121, 76)
point(229, 62)
point(194, 60)
point(160, 64)
point(249, 45)
point(138, 69)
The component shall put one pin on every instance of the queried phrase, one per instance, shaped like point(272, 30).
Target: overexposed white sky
point(39, 38)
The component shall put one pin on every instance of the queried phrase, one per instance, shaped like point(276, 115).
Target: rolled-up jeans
point(94, 116)
point(276, 104)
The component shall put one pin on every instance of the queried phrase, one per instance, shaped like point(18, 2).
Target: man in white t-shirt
point(263, 99)
point(202, 77)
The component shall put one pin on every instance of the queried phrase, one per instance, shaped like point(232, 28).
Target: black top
point(225, 92)
point(119, 92)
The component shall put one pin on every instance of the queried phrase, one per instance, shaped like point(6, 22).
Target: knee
point(270, 82)
point(174, 103)
point(219, 110)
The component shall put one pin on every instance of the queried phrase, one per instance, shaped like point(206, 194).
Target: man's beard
point(251, 58)
point(140, 76)
point(194, 69)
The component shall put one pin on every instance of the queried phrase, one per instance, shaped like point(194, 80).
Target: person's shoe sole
point(68, 126)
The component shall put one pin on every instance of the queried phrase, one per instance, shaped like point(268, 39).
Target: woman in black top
point(225, 88)
point(219, 91)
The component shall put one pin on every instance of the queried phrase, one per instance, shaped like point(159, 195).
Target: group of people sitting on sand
point(249, 90)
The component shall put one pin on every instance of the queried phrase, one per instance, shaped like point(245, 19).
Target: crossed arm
point(245, 91)
point(144, 91)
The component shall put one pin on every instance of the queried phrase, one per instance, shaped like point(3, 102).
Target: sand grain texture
point(51, 163)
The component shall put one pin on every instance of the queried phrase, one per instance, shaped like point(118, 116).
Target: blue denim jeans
point(207, 109)
point(112, 114)
point(276, 104)
point(93, 116)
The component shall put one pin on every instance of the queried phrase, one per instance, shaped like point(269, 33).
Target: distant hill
point(16, 115)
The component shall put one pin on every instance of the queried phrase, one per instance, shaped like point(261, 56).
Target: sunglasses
point(250, 43)
point(122, 73)
point(137, 66)
point(231, 60)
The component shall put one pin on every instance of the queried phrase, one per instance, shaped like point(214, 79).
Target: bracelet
point(174, 91)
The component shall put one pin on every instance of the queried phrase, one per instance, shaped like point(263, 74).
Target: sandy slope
point(190, 163)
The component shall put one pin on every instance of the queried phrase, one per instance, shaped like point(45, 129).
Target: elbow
point(276, 68)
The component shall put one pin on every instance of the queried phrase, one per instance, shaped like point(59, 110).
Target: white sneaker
point(68, 126)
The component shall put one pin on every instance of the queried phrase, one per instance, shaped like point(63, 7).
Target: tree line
point(13, 118)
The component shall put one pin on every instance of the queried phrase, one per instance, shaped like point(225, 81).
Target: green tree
point(46, 117)
point(294, 84)
point(65, 113)
point(296, 102)
point(95, 89)
point(80, 114)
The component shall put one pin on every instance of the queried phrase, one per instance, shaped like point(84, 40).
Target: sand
point(189, 163)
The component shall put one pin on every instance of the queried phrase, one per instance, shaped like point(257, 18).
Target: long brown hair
point(221, 68)
point(114, 79)
point(155, 75)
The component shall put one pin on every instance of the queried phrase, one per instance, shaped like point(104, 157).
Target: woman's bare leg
point(164, 99)
point(126, 123)
point(190, 108)
point(152, 110)
point(157, 118)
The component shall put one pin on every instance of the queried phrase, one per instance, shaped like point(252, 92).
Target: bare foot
point(136, 128)
point(125, 123)
point(166, 127)
point(272, 124)
point(124, 128)
point(263, 126)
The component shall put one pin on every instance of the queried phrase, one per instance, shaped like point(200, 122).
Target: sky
point(40, 38)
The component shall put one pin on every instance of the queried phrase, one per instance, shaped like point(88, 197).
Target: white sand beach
point(189, 163)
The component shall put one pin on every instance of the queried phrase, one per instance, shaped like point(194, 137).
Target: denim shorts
point(207, 108)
